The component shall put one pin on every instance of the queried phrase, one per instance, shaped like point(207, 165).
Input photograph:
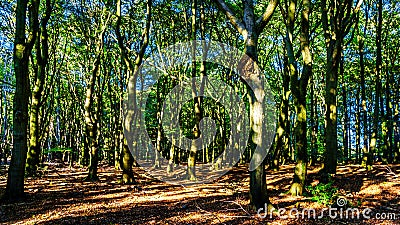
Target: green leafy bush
point(322, 193)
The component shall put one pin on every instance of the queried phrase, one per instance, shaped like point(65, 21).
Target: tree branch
point(238, 24)
point(6, 83)
point(266, 17)
point(348, 23)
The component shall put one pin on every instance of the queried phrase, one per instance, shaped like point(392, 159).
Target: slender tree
point(132, 69)
point(378, 69)
point(250, 28)
point(337, 19)
point(299, 89)
point(40, 70)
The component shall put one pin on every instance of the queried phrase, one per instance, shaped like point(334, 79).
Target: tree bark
point(378, 69)
point(22, 52)
point(341, 17)
point(91, 125)
point(250, 29)
point(132, 73)
point(42, 55)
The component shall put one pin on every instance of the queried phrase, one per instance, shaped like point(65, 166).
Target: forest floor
point(60, 196)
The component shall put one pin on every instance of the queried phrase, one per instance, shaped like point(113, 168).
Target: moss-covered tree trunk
point(42, 56)
point(126, 163)
point(194, 147)
point(22, 51)
point(298, 86)
point(91, 125)
point(282, 132)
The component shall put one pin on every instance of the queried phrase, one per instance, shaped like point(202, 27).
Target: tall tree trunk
point(388, 141)
point(191, 170)
point(345, 113)
point(42, 55)
point(314, 124)
point(282, 132)
point(250, 29)
point(378, 69)
point(331, 110)
point(342, 15)
point(366, 148)
point(358, 127)
point(132, 74)
point(91, 125)
point(22, 52)
point(299, 91)
point(160, 114)
point(387, 126)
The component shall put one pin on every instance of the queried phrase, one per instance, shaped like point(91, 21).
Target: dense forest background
point(66, 68)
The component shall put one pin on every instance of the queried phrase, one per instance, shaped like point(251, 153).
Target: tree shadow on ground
point(62, 197)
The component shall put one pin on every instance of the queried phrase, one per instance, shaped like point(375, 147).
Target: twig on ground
point(391, 172)
point(240, 207)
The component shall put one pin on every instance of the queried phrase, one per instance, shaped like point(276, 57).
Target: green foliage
point(58, 149)
point(322, 193)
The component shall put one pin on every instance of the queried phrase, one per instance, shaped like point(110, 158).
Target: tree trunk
point(250, 30)
point(358, 127)
point(22, 51)
point(126, 163)
point(378, 68)
point(298, 88)
point(42, 55)
point(132, 73)
point(91, 124)
point(194, 148)
point(334, 31)
point(345, 114)
point(314, 125)
point(282, 132)
point(366, 148)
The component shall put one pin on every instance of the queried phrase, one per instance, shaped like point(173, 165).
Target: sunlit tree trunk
point(299, 90)
point(282, 132)
point(22, 51)
point(250, 29)
point(191, 163)
point(160, 113)
point(132, 73)
point(341, 15)
point(42, 56)
point(91, 125)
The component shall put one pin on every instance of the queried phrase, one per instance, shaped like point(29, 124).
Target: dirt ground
point(60, 196)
